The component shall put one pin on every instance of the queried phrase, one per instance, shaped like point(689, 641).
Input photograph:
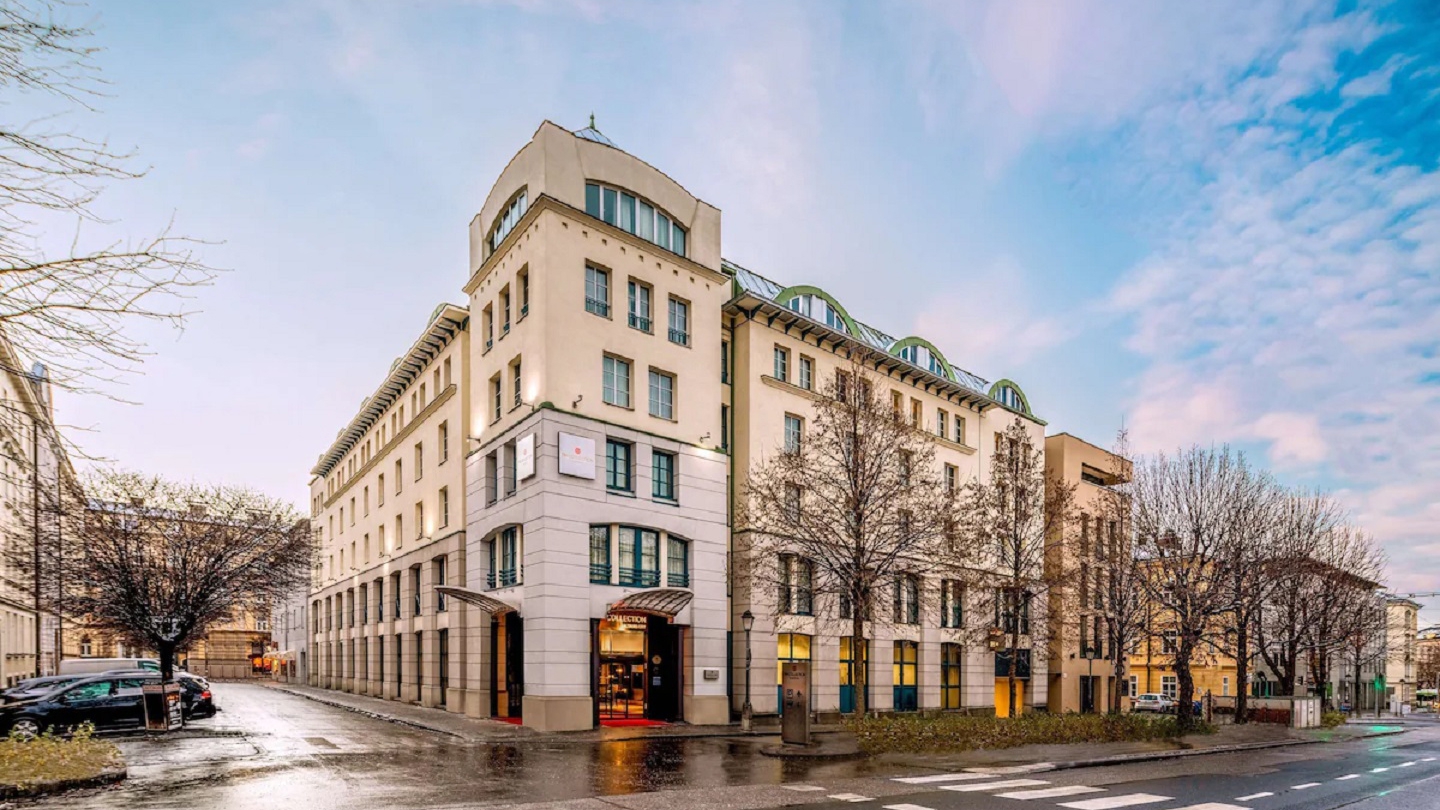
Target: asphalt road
point(269, 749)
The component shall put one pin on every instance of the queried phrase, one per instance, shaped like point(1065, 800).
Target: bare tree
point(1364, 633)
point(1302, 521)
point(1253, 558)
point(1011, 521)
point(157, 563)
point(1345, 565)
point(1187, 510)
point(847, 509)
point(1119, 569)
point(71, 308)
point(1427, 665)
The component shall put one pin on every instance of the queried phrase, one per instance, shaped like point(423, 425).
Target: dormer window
point(1010, 398)
point(818, 309)
point(634, 215)
point(508, 219)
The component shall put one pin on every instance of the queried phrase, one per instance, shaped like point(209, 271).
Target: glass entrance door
point(621, 683)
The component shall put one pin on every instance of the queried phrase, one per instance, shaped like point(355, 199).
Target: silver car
point(1152, 702)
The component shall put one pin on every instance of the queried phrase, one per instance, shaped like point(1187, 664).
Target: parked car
point(108, 702)
point(1152, 702)
point(95, 666)
point(34, 687)
point(195, 696)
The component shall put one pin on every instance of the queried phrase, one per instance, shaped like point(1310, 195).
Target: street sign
point(795, 702)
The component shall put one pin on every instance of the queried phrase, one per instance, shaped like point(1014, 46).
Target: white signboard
point(525, 457)
point(577, 456)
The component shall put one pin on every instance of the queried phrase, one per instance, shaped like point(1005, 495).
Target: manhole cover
point(320, 742)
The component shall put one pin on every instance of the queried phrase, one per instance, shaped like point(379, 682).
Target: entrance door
point(664, 667)
point(1087, 694)
point(622, 684)
point(507, 665)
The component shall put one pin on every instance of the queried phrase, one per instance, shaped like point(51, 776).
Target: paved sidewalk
point(492, 731)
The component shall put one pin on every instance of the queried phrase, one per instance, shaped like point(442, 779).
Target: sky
point(1207, 222)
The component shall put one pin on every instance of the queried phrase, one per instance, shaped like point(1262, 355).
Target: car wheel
point(26, 727)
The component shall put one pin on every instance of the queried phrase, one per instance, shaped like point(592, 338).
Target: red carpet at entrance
point(514, 721)
point(637, 722)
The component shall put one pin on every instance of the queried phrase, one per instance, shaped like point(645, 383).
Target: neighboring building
point(232, 650)
point(388, 510)
point(1081, 671)
point(290, 638)
point(1151, 667)
point(37, 485)
point(1427, 658)
point(783, 345)
point(1402, 619)
point(615, 363)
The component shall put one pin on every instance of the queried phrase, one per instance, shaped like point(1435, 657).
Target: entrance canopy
point(489, 604)
point(662, 602)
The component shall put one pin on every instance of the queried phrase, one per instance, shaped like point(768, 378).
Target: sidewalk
point(494, 731)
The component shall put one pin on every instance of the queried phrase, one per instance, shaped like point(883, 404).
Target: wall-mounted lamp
point(576, 403)
point(705, 438)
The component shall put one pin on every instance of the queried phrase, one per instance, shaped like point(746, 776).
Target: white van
point(87, 666)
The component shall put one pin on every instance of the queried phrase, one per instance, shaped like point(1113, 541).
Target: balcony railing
point(595, 305)
point(600, 573)
point(678, 579)
point(639, 322)
point(504, 579)
point(679, 336)
point(639, 579)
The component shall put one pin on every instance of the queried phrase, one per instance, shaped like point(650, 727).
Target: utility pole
point(35, 527)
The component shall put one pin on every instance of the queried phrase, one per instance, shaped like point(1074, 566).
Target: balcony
point(504, 579)
point(639, 579)
point(639, 322)
point(598, 307)
point(680, 336)
point(678, 579)
point(600, 573)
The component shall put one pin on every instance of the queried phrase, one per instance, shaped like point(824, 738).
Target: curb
point(108, 776)
point(389, 718)
point(1127, 759)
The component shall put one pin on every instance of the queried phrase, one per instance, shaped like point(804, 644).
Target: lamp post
point(747, 620)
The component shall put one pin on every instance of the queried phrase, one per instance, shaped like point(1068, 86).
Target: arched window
point(508, 218)
point(634, 215)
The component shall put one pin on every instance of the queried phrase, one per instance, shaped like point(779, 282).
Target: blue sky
point(1216, 222)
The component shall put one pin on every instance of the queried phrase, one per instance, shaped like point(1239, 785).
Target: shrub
point(27, 761)
point(956, 732)
point(1332, 719)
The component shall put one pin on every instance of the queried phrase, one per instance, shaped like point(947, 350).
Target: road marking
point(802, 788)
point(1007, 783)
point(1050, 793)
point(1406, 764)
point(1111, 802)
point(1253, 796)
point(1213, 806)
point(850, 797)
point(905, 807)
point(1428, 759)
point(1379, 770)
point(943, 777)
point(1306, 786)
point(1347, 776)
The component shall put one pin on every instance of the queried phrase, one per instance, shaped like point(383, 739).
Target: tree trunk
point(166, 650)
point(859, 659)
point(1014, 662)
point(1242, 672)
point(1185, 683)
point(1355, 708)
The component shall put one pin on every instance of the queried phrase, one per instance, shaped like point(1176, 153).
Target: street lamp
point(747, 620)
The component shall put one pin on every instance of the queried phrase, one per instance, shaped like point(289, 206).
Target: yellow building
point(1151, 668)
point(1081, 672)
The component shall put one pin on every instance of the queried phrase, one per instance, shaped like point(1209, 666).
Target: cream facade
point(615, 383)
point(1082, 675)
point(1402, 625)
point(388, 512)
point(785, 344)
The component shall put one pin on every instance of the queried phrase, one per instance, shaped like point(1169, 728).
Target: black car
point(196, 699)
point(108, 702)
point(35, 687)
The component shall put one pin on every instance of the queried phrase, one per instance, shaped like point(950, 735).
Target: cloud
point(991, 322)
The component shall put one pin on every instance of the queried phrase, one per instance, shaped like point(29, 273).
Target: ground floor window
point(789, 647)
point(444, 651)
point(1134, 685)
point(849, 674)
point(951, 658)
point(907, 657)
point(1169, 686)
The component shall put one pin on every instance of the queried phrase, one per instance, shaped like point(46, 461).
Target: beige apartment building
point(612, 379)
point(1402, 626)
point(1082, 677)
point(388, 511)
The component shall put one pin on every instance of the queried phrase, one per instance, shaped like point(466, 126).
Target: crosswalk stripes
point(1112, 802)
point(905, 807)
point(1253, 796)
point(1001, 785)
point(853, 798)
point(935, 778)
point(803, 788)
point(1213, 806)
point(1050, 793)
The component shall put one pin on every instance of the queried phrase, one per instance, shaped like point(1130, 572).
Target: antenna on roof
point(592, 120)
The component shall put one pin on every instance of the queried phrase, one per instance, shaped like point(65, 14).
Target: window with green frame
point(678, 565)
point(618, 460)
point(600, 555)
point(663, 466)
point(951, 661)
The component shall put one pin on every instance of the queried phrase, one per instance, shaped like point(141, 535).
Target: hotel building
point(544, 534)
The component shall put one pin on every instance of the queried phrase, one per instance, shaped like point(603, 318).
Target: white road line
point(1305, 786)
point(802, 788)
point(1406, 764)
point(1253, 796)
point(905, 807)
point(1050, 793)
point(943, 777)
point(1111, 802)
point(1379, 770)
point(1213, 806)
point(1002, 785)
point(850, 797)
point(1347, 776)
point(1428, 759)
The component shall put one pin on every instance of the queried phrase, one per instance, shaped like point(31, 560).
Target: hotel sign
point(577, 456)
point(525, 457)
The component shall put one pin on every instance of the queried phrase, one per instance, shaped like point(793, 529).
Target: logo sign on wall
point(525, 457)
point(577, 456)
